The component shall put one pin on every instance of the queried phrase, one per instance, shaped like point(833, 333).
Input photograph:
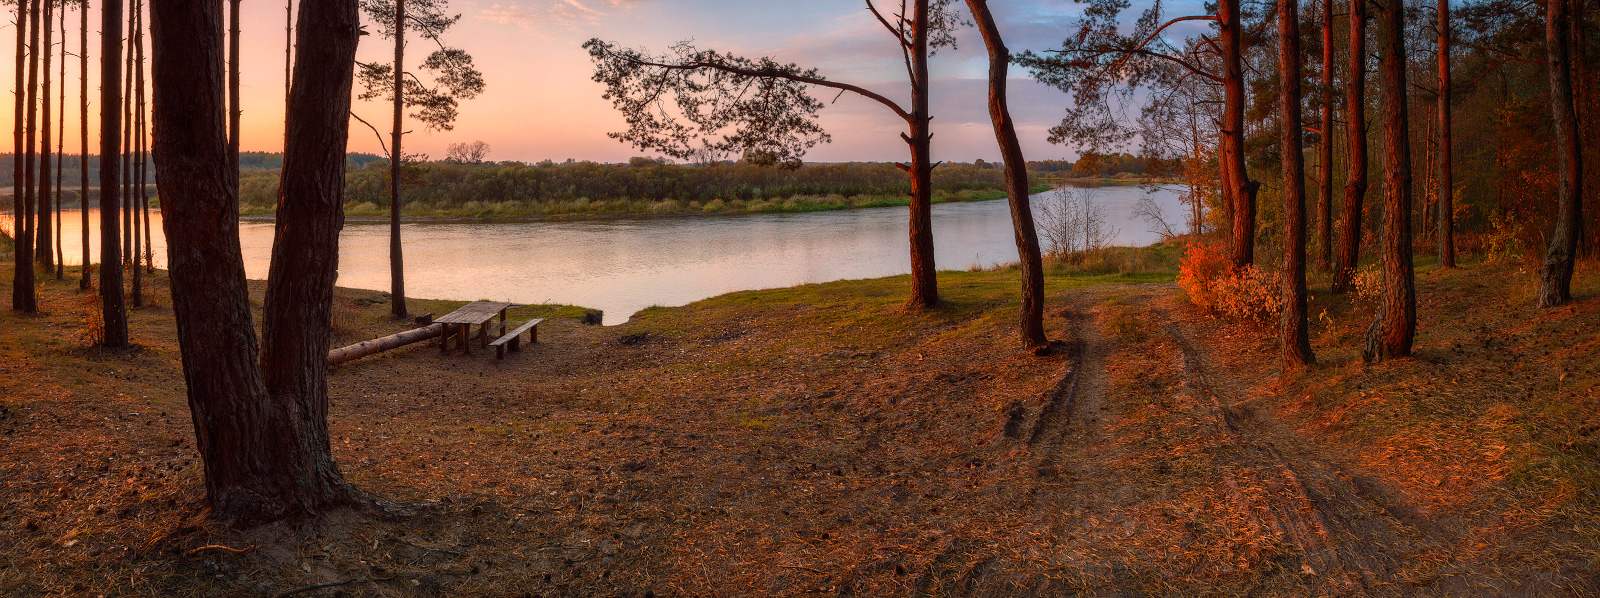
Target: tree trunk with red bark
point(924, 281)
point(1355, 182)
point(1325, 148)
point(1293, 336)
point(1555, 281)
point(1240, 188)
point(1394, 329)
point(1446, 216)
point(1032, 322)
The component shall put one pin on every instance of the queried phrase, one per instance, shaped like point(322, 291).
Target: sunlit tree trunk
point(1240, 188)
point(1555, 281)
point(113, 309)
point(1355, 182)
point(1032, 324)
point(1296, 344)
point(1325, 148)
point(397, 270)
point(924, 283)
point(261, 426)
point(143, 173)
point(1392, 332)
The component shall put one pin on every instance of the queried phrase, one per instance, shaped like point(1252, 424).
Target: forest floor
point(817, 440)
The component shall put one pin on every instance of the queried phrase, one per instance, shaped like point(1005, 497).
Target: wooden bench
point(514, 338)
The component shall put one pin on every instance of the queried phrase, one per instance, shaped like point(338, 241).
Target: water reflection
point(623, 265)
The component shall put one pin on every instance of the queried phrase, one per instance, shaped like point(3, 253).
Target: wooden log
point(378, 345)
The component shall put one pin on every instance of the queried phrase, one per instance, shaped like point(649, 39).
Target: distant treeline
point(444, 186)
point(71, 165)
point(1093, 165)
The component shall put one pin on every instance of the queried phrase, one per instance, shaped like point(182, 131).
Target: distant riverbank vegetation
point(453, 189)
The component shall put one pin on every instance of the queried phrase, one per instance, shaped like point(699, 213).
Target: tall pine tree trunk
point(24, 243)
point(1031, 327)
point(127, 144)
point(1240, 188)
point(83, 129)
point(114, 312)
point(1392, 332)
point(1555, 281)
point(261, 426)
point(397, 270)
point(143, 173)
point(21, 276)
point(1446, 216)
point(136, 146)
point(61, 136)
point(1355, 181)
point(42, 251)
point(924, 274)
point(1296, 344)
point(1325, 148)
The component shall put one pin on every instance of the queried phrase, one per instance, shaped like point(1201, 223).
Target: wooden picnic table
point(459, 323)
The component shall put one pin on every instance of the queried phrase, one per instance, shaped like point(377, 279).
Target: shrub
point(1249, 294)
point(1210, 281)
point(1198, 271)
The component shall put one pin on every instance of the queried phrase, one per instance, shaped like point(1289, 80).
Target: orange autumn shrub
point(1210, 281)
point(1202, 264)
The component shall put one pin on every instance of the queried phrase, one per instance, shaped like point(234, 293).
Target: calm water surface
point(622, 265)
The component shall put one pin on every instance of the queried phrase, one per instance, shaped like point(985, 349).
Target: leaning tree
point(451, 77)
point(692, 103)
point(261, 426)
point(1016, 168)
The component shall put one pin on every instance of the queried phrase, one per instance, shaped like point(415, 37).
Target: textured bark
point(261, 427)
point(83, 117)
point(1241, 190)
point(1355, 182)
point(1446, 216)
point(1325, 148)
point(1031, 326)
point(1392, 332)
point(1555, 281)
point(397, 270)
point(298, 314)
point(1296, 344)
point(114, 311)
point(21, 275)
point(924, 283)
point(41, 234)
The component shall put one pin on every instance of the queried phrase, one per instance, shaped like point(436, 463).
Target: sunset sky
point(541, 104)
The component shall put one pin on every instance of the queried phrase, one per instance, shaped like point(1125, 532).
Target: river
point(622, 265)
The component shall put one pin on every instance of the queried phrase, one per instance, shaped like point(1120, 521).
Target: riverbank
point(819, 440)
